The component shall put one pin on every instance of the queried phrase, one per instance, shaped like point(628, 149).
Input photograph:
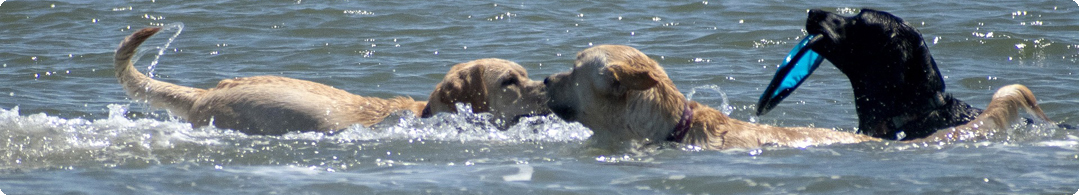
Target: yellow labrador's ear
point(633, 78)
point(464, 85)
point(427, 113)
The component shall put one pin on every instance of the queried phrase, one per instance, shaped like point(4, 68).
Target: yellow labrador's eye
point(509, 82)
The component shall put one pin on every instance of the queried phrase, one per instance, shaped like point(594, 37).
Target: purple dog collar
point(682, 128)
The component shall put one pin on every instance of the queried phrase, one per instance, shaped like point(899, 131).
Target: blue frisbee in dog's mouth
point(799, 64)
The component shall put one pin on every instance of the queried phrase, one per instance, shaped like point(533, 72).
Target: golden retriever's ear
point(633, 78)
point(467, 86)
point(426, 113)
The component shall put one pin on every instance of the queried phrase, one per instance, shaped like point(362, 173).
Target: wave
point(42, 141)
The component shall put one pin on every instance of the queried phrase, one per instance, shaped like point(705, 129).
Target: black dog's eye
point(509, 82)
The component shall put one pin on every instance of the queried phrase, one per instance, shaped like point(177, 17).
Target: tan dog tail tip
point(132, 42)
point(1025, 98)
point(131, 79)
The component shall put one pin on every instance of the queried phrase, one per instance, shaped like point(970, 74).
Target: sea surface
point(66, 126)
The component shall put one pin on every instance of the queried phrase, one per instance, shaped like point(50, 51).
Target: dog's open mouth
point(564, 112)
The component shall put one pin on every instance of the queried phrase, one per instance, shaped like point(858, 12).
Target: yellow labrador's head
point(619, 93)
point(498, 86)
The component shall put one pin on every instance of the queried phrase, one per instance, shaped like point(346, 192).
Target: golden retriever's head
point(617, 92)
point(498, 86)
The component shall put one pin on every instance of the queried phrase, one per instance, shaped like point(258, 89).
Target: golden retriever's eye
point(509, 82)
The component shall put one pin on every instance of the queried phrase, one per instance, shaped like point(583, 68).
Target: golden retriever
point(624, 96)
point(273, 105)
point(498, 86)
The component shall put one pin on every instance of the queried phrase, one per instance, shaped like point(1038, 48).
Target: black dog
point(897, 86)
point(899, 92)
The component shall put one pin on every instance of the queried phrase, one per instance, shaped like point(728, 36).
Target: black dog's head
point(873, 44)
point(889, 66)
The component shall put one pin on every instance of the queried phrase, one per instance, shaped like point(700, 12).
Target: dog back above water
point(625, 97)
point(274, 105)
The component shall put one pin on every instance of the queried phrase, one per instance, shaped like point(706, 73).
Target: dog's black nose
point(817, 20)
point(547, 81)
point(817, 15)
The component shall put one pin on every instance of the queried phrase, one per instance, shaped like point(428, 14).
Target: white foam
point(465, 126)
point(151, 133)
point(40, 140)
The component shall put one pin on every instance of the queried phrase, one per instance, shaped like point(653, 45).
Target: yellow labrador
point(623, 96)
point(498, 86)
point(273, 105)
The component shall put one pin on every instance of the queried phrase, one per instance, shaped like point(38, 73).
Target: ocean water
point(66, 126)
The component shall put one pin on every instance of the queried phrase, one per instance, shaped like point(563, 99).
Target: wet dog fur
point(497, 86)
point(624, 96)
point(898, 90)
point(273, 105)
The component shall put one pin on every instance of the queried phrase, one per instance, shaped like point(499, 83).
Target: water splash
point(725, 107)
point(467, 126)
point(463, 126)
point(178, 27)
point(39, 141)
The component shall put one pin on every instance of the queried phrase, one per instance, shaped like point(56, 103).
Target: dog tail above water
point(175, 98)
point(1009, 100)
point(1023, 96)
